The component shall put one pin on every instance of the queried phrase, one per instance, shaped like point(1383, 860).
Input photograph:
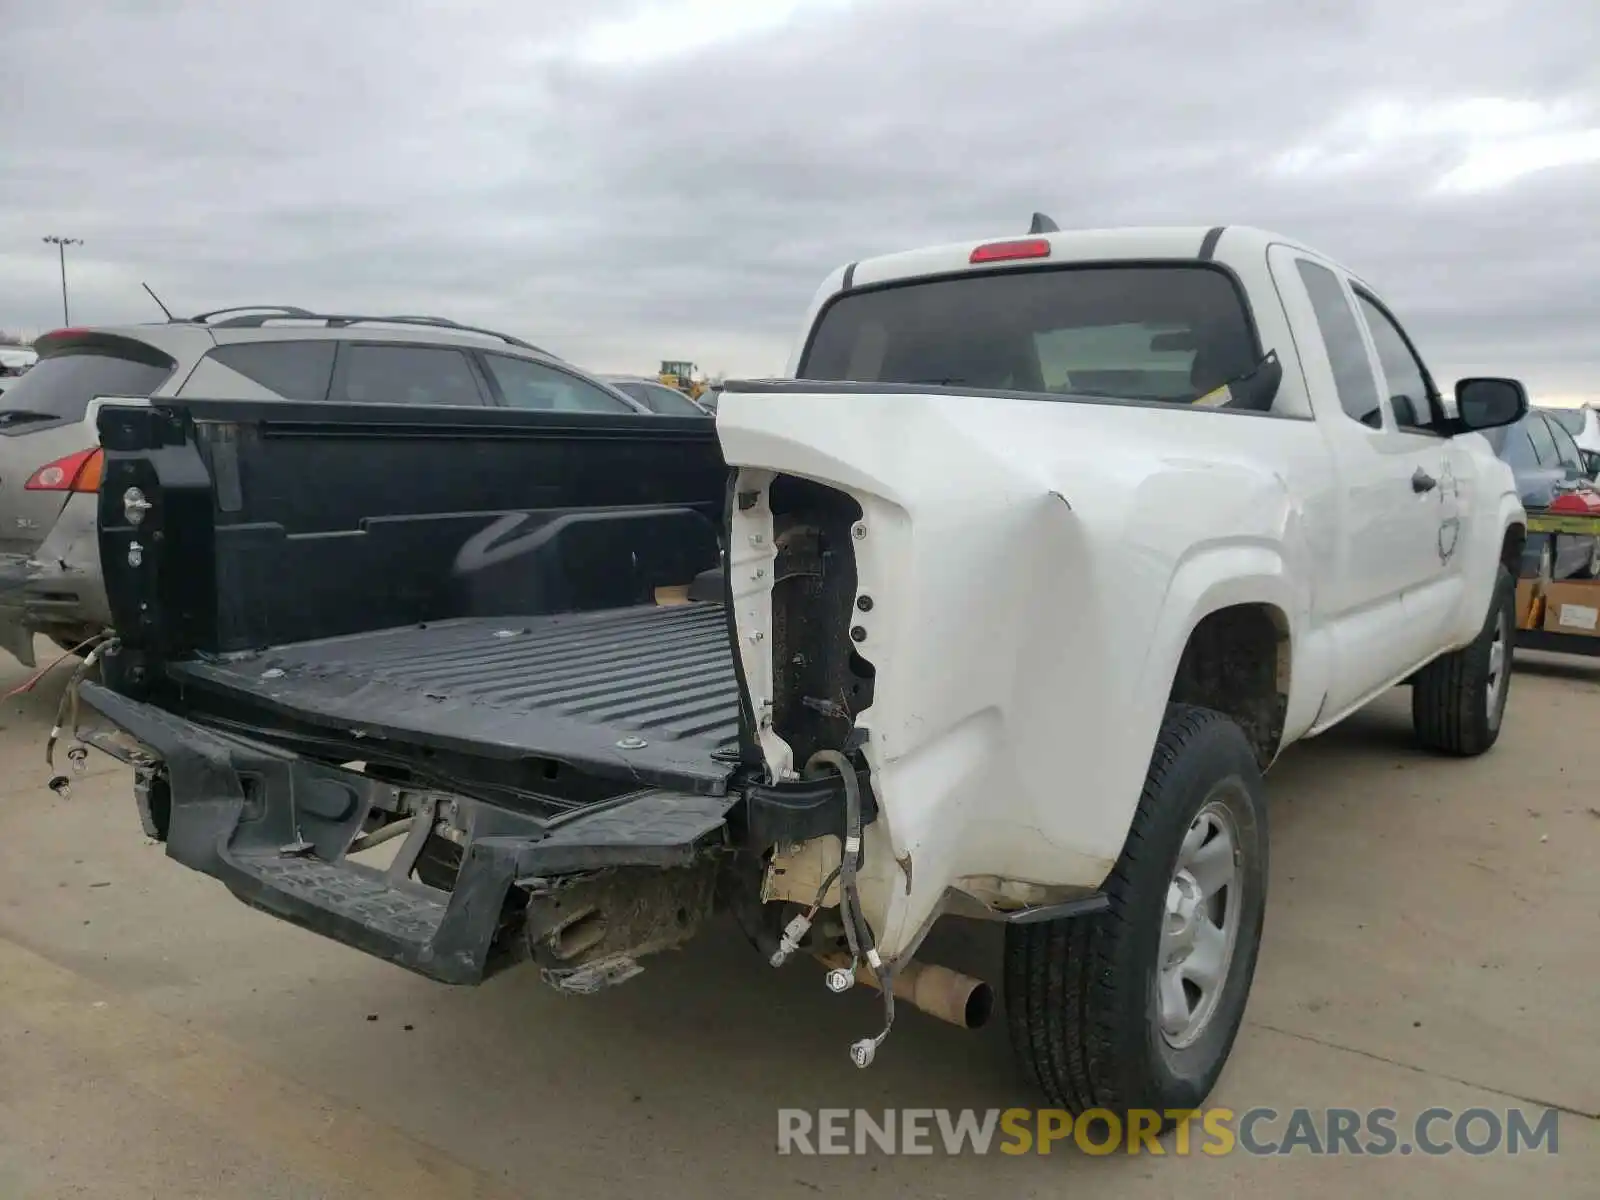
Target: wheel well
point(1511, 549)
point(1237, 662)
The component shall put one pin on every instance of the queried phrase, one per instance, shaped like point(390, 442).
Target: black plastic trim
point(799, 811)
point(1208, 244)
point(1083, 907)
point(849, 277)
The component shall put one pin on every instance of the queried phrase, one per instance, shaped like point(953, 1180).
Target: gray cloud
point(469, 158)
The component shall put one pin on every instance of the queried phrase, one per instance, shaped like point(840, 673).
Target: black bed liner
point(646, 694)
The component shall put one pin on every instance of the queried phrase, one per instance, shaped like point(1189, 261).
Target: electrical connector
point(839, 980)
point(793, 934)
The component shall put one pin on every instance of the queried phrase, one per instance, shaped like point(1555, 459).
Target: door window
point(660, 399)
point(1566, 448)
point(1544, 446)
point(529, 384)
point(1347, 351)
point(1516, 447)
point(1410, 391)
point(376, 374)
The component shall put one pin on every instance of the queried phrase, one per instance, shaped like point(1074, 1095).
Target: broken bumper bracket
point(273, 827)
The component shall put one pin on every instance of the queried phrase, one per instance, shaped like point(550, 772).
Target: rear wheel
point(1459, 699)
point(1138, 1007)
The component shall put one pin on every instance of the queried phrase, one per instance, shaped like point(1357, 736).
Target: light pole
point(61, 244)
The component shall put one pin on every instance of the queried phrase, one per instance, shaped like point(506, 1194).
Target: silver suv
point(50, 459)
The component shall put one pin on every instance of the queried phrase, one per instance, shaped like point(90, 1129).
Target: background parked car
point(50, 461)
point(657, 396)
point(1582, 423)
point(1543, 457)
point(14, 363)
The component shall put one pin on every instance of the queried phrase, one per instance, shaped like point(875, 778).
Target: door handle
point(1421, 481)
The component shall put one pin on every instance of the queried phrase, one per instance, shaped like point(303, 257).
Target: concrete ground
point(1433, 939)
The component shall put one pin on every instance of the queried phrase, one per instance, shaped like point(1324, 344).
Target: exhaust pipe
point(940, 992)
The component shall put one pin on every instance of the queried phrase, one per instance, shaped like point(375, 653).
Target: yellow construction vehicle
point(681, 375)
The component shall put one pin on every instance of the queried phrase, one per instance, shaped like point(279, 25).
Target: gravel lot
point(1433, 939)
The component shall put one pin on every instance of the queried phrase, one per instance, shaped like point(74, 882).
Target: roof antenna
point(163, 307)
point(1043, 224)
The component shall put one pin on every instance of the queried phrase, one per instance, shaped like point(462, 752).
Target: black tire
point(1082, 994)
point(439, 863)
point(1458, 701)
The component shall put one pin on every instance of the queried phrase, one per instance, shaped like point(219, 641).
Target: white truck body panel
point(1036, 568)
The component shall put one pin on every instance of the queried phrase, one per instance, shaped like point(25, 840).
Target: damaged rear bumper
point(275, 828)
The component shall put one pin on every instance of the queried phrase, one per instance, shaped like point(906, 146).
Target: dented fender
point(1032, 572)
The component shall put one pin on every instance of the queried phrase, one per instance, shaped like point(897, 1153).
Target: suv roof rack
point(253, 316)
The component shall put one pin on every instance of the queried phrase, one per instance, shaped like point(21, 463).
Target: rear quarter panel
point(1036, 569)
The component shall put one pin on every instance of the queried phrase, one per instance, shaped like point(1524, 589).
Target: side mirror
point(1488, 403)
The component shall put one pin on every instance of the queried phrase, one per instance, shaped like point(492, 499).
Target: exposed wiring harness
point(67, 711)
point(795, 931)
point(857, 931)
point(32, 681)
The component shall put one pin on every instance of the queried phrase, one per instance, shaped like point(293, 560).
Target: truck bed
point(647, 692)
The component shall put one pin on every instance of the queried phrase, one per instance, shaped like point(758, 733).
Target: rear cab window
point(1171, 333)
point(1353, 379)
point(70, 373)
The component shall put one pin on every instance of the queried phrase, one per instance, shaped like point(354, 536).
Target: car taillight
point(79, 472)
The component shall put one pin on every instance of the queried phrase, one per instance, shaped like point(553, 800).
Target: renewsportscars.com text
point(1212, 1131)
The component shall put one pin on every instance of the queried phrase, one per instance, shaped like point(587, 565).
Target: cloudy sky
point(630, 180)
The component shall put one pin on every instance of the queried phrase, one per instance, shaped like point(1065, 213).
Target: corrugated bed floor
point(581, 687)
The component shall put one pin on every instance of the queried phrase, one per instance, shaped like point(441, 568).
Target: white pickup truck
point(997, 607)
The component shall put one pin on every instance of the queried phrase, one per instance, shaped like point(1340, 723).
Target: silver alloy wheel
point(1497, 679)
point(1200, 926)
point(1547, 560)
point(1594, 560)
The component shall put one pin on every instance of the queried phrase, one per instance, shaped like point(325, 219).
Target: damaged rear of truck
point(467, 688)
point(463, 688)
point(1008, 632)
point(459, 688)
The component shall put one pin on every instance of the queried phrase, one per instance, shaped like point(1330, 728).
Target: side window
point(400, 374)
point(263, 371)
point(1566, 448)
point(1410, 395)
point(1347, 352)
point(1544, 446)
point(1517, 449)
point(659, 399)
point(529, 384)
